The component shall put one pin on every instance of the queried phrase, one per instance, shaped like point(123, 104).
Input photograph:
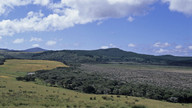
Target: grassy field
point(30, 95)
point(20, 67)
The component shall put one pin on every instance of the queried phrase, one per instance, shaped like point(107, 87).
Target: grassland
point(17, 67)
point(30, 95)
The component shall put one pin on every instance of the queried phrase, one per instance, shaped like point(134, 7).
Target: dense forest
point(75, 79)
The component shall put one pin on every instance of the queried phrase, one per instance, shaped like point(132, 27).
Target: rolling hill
point(73, 57)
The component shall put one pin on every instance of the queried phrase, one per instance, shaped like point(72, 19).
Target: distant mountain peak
point(35, 49)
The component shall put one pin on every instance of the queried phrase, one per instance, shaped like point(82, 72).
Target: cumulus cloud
point(161, 45)
point(18, 41)
point(35, 39)
point(50, 43)
point(35, 45)
point(41, 2)
point(131, 45)
point(109, 8)
point(7, 5)
point(37, 22)
point(184, 6)
point(68, 13)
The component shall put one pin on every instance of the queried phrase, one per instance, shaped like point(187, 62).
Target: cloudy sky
point(144, 26)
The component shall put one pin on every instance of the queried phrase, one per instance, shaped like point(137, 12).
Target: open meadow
point(21, 94)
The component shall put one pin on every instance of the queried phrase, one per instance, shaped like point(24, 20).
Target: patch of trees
point(2, 60)
point(26, 78)
point(75, 79)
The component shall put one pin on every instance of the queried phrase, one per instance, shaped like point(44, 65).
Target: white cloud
point(131, 45)
point(0, 37)
point(104, 47)
point(37, 22)
point(161, 45)
point(183, 6)
point(109, 8)
point(35, 39)
point(68, 13)
point(7, 5)
point(178, 46)
point(41, 2)
point(51, 43)
point(35, 45)
point(130, 19)
point(162, 51)
point(18, 41)
point(190, 47)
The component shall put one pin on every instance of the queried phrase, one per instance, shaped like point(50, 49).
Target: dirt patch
point(4, 77)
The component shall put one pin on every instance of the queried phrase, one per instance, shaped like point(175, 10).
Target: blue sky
point(144, 26)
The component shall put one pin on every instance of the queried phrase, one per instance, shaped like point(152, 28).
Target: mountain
point(111, 55)
point(36, 49)
point(76, 57)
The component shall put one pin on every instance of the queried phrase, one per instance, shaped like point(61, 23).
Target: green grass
point(30, 95)
point(21, 67)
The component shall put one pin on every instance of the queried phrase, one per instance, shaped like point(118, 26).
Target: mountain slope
point(110, 55)
point(36, 49)
point(72, 57)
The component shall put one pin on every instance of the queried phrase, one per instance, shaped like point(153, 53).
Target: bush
point(89, 89)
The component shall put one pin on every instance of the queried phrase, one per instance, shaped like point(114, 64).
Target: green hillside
point(75, 57)
point(111, 55)
point(21, 94)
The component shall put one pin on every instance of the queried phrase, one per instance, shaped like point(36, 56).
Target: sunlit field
point(30, 95)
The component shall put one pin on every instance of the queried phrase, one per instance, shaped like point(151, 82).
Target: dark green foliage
point(2, 60)
point(26, 78)
point(75, 79)
point(89, 89)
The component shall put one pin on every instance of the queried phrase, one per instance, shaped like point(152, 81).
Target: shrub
point(89, 89)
